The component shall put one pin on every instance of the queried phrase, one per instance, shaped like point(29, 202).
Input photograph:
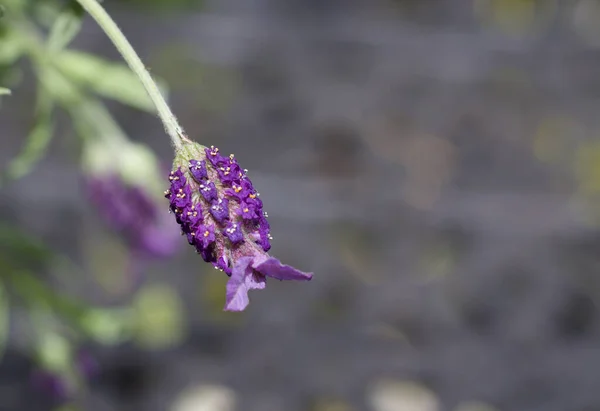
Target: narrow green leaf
point(5, 92)
point(66, 26)
point(11, 47)
point(38, 139)
point(111, 80)
point(36, 292)
point(19, 250)
point(4, 319)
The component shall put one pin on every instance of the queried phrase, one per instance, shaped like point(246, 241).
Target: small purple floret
point(247, 211)
point(220, 210)
point(198, 170)
point(205, 235)
point(182, 197)
point(208, 191)
point(233, 232)
point(194, 215)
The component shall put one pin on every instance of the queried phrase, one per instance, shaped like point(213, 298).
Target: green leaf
point(107, 326)
point(11, 47)
point(5, 92)
point(159, 317)
point(37, 293)
point(19, 250)
point(65, 27)
point(4, 319)
point(112, 80)
point(38, 139)
point(55, 352)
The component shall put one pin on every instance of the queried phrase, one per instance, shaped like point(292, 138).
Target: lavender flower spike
point(202, 179)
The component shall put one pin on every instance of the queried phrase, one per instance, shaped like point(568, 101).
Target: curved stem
point(172, 127)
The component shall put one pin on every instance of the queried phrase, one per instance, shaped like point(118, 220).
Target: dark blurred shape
point(336, 302)
point(478, 315)
point(210, 341)
point(87, 364)
point(339, 151)
point(51, 385)
point(16, 370)
point(127, 376)
point(576, 316)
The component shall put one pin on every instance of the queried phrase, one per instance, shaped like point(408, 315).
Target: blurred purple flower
point(134, 213)
point(51, 384)
point(55, 386)
point(86, 364)
point(208, 190)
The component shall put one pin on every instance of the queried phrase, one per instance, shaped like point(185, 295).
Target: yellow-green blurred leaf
point(587, 168)
point(107, 326)
point(20, 250)
point(4, 91)
point(65, 28)
point(515, 17)
point(11, 47)
point(159, 317)
point(55, 352)
point(551, 143)
point(60, 88)
point(37, 141)
point(112, 80)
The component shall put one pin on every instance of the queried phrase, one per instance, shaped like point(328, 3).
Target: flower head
point(228, 226)
point(130, 201)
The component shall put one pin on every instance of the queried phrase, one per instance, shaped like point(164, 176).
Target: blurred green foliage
point(65, 78)
point(37, 34)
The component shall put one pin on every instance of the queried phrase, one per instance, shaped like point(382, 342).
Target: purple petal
point(243, 279)
point(272, 267)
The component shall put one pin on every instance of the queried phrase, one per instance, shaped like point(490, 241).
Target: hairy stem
point(172, 127)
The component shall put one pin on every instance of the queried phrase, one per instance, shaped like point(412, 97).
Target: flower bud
point(222, 216)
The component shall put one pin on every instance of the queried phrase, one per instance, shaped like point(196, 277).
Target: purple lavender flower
point(136, 214)
point(232, 231)
point(51, 384)
point(57, 385)
point(86, 364)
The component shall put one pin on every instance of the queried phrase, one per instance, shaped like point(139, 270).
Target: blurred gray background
point(435, 163)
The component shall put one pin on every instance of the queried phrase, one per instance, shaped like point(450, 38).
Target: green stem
point(172, 127)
